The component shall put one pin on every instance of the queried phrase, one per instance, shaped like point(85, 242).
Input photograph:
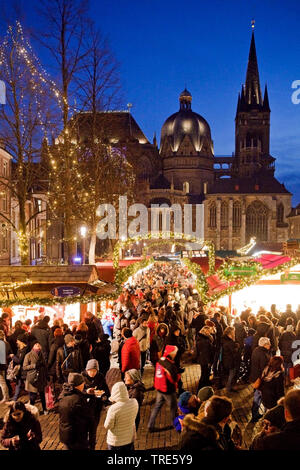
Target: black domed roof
point(185, 122)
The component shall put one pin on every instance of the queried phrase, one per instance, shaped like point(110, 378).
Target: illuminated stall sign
point(289, 277)
point(65, 291)
point(240, 271)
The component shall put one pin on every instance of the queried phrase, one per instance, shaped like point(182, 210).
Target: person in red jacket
point(130, 354)
point(165, 382)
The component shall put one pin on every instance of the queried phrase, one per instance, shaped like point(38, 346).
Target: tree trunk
point(92, 246)
point(23, 240)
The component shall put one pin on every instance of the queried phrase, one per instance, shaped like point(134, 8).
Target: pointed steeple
point(266, 106)
point(252, 85)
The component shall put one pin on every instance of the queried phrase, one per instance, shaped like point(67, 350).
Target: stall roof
point(84, 274)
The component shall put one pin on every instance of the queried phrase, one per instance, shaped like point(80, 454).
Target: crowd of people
point(160, 320)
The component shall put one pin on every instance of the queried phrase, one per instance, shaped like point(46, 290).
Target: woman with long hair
point(22, 431)
point(272, 382)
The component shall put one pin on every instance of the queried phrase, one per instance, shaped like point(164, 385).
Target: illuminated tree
point(24, 120)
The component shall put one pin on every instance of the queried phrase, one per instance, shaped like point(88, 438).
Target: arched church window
point(257, 221)
point(236, 215)
point(212, 216)
point(280, 213)
point(186, 187)
point(224, 215)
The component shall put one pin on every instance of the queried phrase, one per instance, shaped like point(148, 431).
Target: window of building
point(224, 215)
point(213, 216)
point(257, 221)
point(3, 240)
point(4, 168)
point(236, 215)
point(280, 214)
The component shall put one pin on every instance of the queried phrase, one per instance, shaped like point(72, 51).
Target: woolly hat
point(205, 393)
point(169, 349)
point(276, 416)
point(92, 364)
point(135, 375)
point(183, 400)
point(58, 332)
point(23, 337)
point(75, 379)
point(69, 339)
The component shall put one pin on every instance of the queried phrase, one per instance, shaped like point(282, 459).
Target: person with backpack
point(68, 359)
point(36, 375)
point(165, 382)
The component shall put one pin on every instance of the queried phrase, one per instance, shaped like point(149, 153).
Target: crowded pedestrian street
point(159, 371)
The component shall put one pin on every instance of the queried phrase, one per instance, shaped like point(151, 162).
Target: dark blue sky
point(163, 45)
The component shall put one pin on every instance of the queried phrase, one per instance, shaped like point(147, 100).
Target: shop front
point(66, 292)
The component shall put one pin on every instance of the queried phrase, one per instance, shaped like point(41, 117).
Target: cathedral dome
point(185, 123)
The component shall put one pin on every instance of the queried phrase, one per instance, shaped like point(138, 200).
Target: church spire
point(266, 105)
point(252, 85)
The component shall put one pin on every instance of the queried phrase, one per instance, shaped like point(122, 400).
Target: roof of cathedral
point(185, 123)
point(258, 184)
point(115, 126)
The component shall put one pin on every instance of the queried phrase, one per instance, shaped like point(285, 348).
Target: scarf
point(269, 375)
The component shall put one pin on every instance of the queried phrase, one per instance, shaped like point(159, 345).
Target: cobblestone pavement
point(162, 439)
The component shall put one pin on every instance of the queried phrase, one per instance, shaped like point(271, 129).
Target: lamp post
point(83, 232)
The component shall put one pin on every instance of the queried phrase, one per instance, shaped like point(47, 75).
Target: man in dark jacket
point(68, 359)
point(101, 352)
point(289, 437)
point(205, 355)
point(259, 359)
point(165, 383)
point(264, 328)
point(41, 332)
point(198, 321)
point(74, 414)
point(287, 314)
point(230, 357)
point(92, 334)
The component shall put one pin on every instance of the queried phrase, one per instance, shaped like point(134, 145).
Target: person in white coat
point(120, 419)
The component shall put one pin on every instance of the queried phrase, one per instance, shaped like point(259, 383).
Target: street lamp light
point(83, 232)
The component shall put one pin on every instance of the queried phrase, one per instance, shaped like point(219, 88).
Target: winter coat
point(74, 362)
point(198, 322)
point(264, 330)
point(143, 336)
point(224, 435)
point(74, 418)
point(205, 350)
point(41, 332)
point(285, 345)
point(230, 353)
point(272, 390)
point(6, 351)
point(18, 359)
point(158, 344)
point(12, 428)
point(130, 354)
point(92, 334)
point(179, 342)
point(96, 403)
point(287, 439)
point(240, 334)
point(284, 316)
point(12, 339)
point(137, 391)
point(259, 359)
point(58, 342)
point(120, 323)
point(101, 352)
point(84, 347)
point(120, 418)
point(35, 362)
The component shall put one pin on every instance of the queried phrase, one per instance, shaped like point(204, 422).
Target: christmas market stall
point(58, 291)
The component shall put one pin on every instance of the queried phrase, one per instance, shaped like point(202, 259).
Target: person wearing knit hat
point(187, 403)
point(97, 389)
point(136, 389)
point(205, 393)
point(74, 414)
point(58, 332)
point(166, 380)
